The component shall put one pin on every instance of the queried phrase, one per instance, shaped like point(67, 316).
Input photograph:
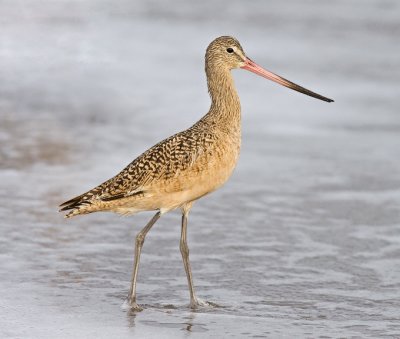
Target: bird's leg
point(194, 302)
point(138, 248)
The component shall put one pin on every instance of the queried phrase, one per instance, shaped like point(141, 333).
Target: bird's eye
point(229, 50)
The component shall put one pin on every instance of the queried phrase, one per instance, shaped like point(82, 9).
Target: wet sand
point(304, 240)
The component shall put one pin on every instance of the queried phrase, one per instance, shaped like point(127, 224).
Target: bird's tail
point(76, 206)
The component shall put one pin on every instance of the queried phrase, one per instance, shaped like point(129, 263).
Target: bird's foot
point(197, 303)
point(132, 306)
point(136, 308)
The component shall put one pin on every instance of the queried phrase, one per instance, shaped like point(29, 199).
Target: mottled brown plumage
point(186, 166)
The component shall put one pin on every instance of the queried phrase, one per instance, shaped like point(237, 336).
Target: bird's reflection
point(131, 317)
point(189, 323)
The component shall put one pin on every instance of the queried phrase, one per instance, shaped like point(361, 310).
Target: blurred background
point(303, 241)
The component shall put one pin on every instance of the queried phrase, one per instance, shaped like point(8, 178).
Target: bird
point(188, 165)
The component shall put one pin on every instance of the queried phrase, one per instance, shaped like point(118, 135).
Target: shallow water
point(303, 242)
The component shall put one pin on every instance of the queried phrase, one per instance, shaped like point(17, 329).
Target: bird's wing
point(162, 162)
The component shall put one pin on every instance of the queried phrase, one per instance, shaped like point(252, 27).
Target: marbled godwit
point(188, 165)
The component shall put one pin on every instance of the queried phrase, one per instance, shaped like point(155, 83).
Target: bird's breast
point(211, 170)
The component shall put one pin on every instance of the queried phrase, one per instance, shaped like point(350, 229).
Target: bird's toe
point(200, 303)
point(131, 306)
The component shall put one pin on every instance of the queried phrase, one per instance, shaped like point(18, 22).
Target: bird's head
point(226, 53)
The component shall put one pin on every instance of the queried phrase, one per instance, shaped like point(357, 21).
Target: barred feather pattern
point(185, 166)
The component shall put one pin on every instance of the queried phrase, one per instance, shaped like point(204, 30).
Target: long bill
point(253, 67)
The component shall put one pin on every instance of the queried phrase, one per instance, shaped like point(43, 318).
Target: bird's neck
point(225, 104)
